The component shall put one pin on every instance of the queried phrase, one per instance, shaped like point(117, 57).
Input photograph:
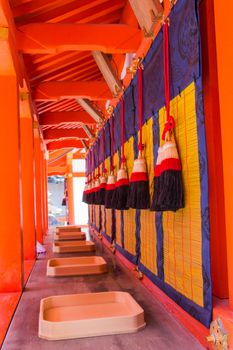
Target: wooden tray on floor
point(86, 265)
point(73, 246)
point(69, 235)
point(68, 228)
point(89, 315)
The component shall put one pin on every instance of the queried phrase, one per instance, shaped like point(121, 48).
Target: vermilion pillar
point(11, 259)
point(214, 149)
point(38, 186)
point(26, 142)
point(223, 29)
point(42, 191)
point(46, 192)
point(45, 197)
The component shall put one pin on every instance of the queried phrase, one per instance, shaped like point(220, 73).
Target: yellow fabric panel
point(116, 162)
point(147, 140)
point(129, 155)
point(91, 213)
point(107, 165)
point(182, 230)
point(97, 216)
point(148, 240)
point(129, 230)
point(109, 222)
point(102, 218)
point(118, 227)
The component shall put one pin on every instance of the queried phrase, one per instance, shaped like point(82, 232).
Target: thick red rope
point(103, 149)
point(89, 166)
point(112, 142)
point(98, 150)
point(93, 167)
point(166, 68)
point(123, 130)
point(169, 125)
point(140, 146)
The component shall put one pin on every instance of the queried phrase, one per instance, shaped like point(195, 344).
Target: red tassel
point(139, 196)
point(168, 190)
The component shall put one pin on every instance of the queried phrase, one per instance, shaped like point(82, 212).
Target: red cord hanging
point(112, 143)
point(140, 145)
point(123, 131)
point(98, 150)
point(103, 149)
point(170, 123)
point(92, 166)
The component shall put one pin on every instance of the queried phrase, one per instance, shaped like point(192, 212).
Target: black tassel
point(91, 198)
point(139, 197)
point(168, 192)
point(101, 196)
point(120, 197)
point(84, 199)
point(108, 198)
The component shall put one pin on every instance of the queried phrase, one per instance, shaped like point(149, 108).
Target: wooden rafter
point(90, 109)
point(51, 38)
point(59, 10)
point(147, 13)
point(53, 118)
point(54, 145)
point(64, 66)
point(108, 72)
point(55, 134)
point(95, 90)
point(88, 131)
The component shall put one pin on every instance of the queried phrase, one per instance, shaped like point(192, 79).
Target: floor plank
point(162, 330)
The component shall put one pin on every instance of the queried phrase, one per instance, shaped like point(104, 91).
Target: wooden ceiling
point(57, 39)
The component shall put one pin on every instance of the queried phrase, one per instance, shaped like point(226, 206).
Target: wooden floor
point(162, 330)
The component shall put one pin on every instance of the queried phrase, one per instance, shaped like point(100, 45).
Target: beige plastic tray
point(69, 235)
point(68, 228)
point(87, 265)
point(73, 246)
point(88, 315)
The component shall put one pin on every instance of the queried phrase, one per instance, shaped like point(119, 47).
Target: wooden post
point(11, 253)
point(26, 143)
point(38, 175)
point(214, 150)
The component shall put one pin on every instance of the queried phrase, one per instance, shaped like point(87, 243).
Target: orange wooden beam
point(94, 90)
point(97, 9)
point(54, 106)
point(44, 10)
point(37, 6)
point(72, 74)
point(56, 170)
point(54, 118)
point(65, 66)
point(54, 134)
point(42, 38)
point(58, 162)
point(69, 143)
point(51, 62)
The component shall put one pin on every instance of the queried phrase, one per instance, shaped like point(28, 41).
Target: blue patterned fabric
point(185, 56)
point(203, 168)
